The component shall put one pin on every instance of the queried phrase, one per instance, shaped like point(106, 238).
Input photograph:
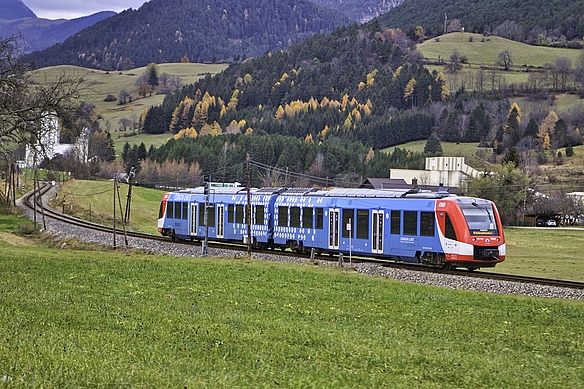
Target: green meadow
point(484, 50)
point(97, 84)
point(87, 319)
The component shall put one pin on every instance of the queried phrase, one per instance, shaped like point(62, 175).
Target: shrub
point(109, 98)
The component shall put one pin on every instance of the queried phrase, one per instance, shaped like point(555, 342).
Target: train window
point(177, 209)
point(161, 210)
point(230, 213)
point(427, 223)
point(319, 218)
point(259, 214)
point(170, 210)
point(239, 214)
point(295, 217)
point(210, 214)
point(185, 211)
point(395, 222)
point(307, 217)
point(362, 224)
point(450, 233)
point(410, 223)
point(283, 216)
point(348, 218)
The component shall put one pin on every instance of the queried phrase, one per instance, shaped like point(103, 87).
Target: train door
point(220, 220)
point(334, 228)
point(377, 232)
point(194, 214)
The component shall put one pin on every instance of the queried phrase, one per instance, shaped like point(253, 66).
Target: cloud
point(70, 9)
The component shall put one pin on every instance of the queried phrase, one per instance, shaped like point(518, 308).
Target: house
point(439, 171)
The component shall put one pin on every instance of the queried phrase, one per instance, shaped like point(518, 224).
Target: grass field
point(120, 138)
point(93, 200)
point(81, 319)
point(97, 84)
point(485, 50)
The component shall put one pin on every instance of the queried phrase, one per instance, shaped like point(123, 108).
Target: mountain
point(15, 9)
point(360, 10)
point(38, 33)
point(203, 30)
point(527, 21)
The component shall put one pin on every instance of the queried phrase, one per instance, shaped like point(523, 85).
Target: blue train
point(428, 228)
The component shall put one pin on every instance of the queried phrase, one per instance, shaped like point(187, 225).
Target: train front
point(472, 232)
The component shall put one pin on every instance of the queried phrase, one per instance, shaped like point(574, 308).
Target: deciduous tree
point(505, 60)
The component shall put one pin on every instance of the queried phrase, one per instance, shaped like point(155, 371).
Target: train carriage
point(432, 229)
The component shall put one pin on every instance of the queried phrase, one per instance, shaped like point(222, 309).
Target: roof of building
point(385, 183)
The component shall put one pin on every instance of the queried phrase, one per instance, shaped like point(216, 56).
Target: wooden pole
point(248, 208)
point(115, 189)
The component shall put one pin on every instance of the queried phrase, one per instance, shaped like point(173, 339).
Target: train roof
point(231, 190)
point(320, 192)
point(366, 193)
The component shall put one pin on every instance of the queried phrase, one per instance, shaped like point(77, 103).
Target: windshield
point(480, 218)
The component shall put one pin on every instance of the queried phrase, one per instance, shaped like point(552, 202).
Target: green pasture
point(86, 319)
point(97, 84)
point(544, 252)
point(120, 138)
point(484, 50)
point(94, 200)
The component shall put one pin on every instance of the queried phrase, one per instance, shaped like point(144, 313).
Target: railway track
point(46, 212)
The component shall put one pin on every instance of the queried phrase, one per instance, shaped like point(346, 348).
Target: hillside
point(202, 30)
point(530, 18)
point(15, 9)
point(97, 85)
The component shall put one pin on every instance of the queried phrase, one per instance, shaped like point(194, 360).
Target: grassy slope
point(485, 50)
point(94, 200)
point(81, 319)
point(98, 84)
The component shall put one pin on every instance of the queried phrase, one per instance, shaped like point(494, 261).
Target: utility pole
point(248, 208)
point(115, 189)
point(123, 216)
point(207, 182)
point(129, 199)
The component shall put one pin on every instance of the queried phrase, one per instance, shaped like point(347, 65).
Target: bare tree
point(564, 70)
point(505, 59)
point(124, 94)
point(27, 104)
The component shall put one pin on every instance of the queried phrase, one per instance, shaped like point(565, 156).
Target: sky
point(71, 9)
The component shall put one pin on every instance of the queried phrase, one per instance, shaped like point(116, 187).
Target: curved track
point(50, 213)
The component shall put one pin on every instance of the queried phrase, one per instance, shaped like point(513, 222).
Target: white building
point(50, 146)
point(447, 171)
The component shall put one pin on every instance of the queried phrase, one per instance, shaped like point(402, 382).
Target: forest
point(203, 31)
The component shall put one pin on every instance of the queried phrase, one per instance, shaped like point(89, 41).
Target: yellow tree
point(279, 113)
point(547, 126)
point(409, 90)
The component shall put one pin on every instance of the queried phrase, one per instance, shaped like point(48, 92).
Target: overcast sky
point(71, 9)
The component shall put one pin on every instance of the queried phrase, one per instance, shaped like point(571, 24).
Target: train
point(433, 229)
